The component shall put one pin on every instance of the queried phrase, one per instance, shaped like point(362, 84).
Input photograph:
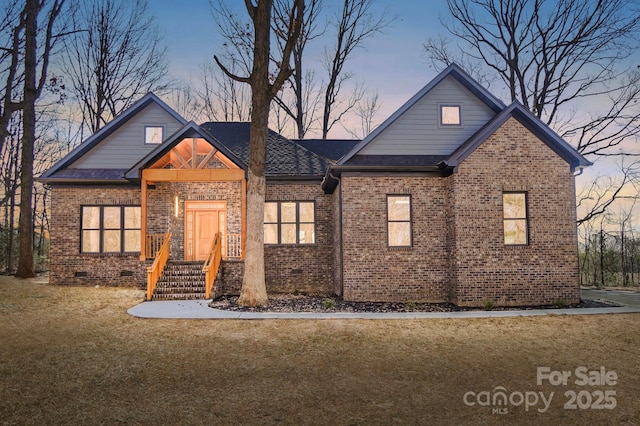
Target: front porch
point(178, 279)
point(192, 208)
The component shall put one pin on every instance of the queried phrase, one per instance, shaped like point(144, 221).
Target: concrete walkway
point(199, 309)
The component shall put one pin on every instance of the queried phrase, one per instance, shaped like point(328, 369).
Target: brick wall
point(374, 271)
point(458, 251)
point(161, 208)
point(336, 199)
point(67, 263)
point(229, 279)
point(305, 268)
point(545, 270)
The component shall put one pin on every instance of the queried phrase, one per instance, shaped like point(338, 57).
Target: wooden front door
point(203, 219)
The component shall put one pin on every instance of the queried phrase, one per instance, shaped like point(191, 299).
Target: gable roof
point(103, 133)
point(285, 158)
point(189, 130)
point(533, 124)
point(452, 70)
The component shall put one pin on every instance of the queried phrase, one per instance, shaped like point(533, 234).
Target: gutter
point(332, 177)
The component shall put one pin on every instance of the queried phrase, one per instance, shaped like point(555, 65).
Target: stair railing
point(212, 264)
point(160, 261)
point(153, 243)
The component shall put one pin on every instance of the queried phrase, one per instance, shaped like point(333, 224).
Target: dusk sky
point(392, 63)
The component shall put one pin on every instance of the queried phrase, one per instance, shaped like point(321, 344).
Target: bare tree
point(184, 99)
point(366, 111)
point(548, 53)
point(11, 58)
point(303, 88)
point(356, 23)
point(305, 98)
point(265, 82)
point(114, 56)
point(35, 77)
point(223, 98)
point(9, 173)
point(553, 57)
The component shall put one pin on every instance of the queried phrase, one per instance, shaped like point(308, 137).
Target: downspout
point(340, 270)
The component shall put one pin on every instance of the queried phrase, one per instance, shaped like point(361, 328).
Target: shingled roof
point(333, 149)
point(285, 158)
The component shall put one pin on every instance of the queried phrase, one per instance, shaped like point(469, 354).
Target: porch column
point(243, 213)
point(143, 218)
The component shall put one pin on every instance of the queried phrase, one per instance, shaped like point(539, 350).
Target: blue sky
point(392, 63)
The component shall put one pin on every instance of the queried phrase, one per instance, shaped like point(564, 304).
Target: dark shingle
point(284, 157)
point(333, 149)
point(87, 175)
point(395, 160)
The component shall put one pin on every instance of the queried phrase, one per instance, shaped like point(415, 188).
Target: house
point(456, 197)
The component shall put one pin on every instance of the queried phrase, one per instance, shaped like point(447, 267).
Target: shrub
point(328, 303)
point(488, 305)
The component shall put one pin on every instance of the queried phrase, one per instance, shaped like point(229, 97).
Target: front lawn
point(72, 355)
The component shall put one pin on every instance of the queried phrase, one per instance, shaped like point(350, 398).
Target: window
point(110, 229)
point(289, 222)
point(450, 115)
point(514, 208)
point(153, 134)
point(399, 220)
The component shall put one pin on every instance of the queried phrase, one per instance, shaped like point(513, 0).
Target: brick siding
point(66, 260)
point(545, 270)
point(458, 251)
point(304, 268)
point(372, 270)
point(161, 208)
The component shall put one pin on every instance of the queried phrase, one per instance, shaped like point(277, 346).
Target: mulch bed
point(303, 303)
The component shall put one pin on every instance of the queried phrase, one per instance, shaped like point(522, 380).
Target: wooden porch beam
point(180, 158)
point(194, 153)
point(206, 159)
point(243, 215)
point(193, 175)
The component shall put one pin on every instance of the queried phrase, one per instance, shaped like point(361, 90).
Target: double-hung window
point(514, 208)
point(110, 229)
point(289, 222)
point(399, 220)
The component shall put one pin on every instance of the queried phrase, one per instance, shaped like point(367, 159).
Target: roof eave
point(189, 130)
point(54, 181)
point(533, 124)
point(453, 70)
point(109, 128)
point(334, 172)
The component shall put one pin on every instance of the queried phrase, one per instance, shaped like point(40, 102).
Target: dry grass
point(72, 355)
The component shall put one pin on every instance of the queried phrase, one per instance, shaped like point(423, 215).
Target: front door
point(206, 229)
point(203, 219)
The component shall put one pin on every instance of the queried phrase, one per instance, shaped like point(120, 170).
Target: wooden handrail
point(212, 264)
point(155, 271)
point(153, 243)
point(233, 249)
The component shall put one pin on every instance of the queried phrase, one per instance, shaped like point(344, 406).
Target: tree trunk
point(25, 261)
point(254, 290)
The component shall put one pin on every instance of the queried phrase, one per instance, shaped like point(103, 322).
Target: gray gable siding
point(417, 131)
point(124, 147)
